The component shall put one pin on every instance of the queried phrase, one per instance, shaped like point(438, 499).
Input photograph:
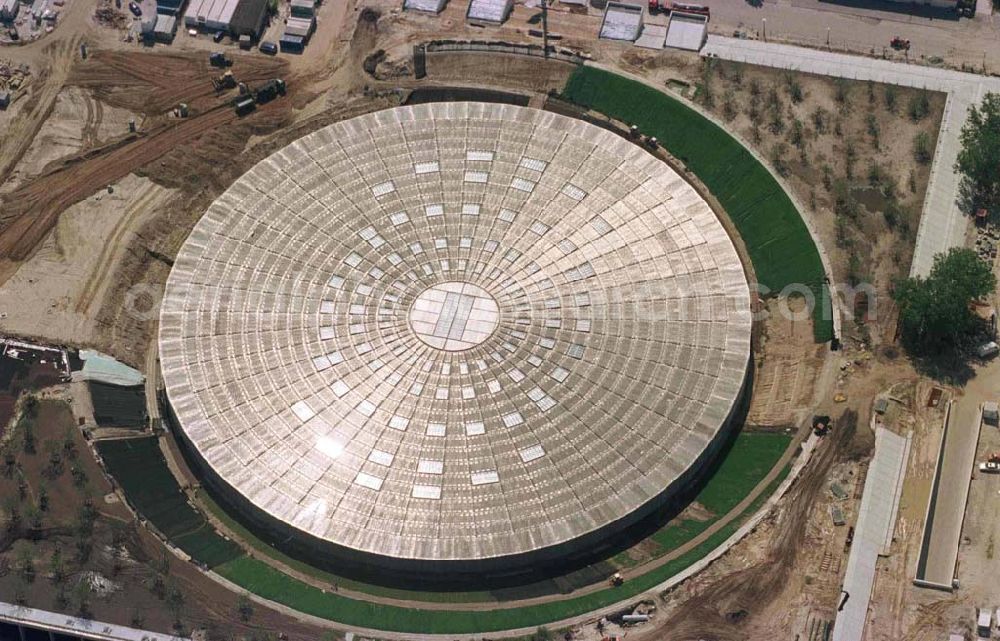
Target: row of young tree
point(935, 312)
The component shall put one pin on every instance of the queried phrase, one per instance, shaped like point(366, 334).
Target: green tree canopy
point(979, 159)
point(935, 312)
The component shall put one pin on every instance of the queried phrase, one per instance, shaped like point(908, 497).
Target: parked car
point(989, 466)
point(135, 9)
point(269, 48)
point(219, 35)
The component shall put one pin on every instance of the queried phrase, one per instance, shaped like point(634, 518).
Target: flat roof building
point(235, 17)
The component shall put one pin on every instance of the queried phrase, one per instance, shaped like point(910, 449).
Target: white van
point(984, 623)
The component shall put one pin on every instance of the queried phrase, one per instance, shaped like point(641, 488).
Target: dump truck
point(269, 90)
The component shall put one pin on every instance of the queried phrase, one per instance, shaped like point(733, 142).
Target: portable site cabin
point(165, 29)
point(990, 412)
point(490, 11)
point(621, 22)
point(984, 623)
point(292, 44)
point(9, 10)
point(170, 7)
point(426, 6)
point(301, 27)
point(303, 8)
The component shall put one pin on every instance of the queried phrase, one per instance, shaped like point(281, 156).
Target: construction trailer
point(9, 10)
point(425, 6)
point(493, 12)
point(170, 7)
point(165, 28)
point(292, 44)
point(303, 8)
point(622, 22)
point(301, 27)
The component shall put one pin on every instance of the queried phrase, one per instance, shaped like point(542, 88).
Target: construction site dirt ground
point(92, 264)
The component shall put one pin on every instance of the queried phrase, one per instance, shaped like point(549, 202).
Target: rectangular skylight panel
point(432, 492)
point(521, 184)
point(600, 225)
point(369, 481)
point(512, 419)
point(479, 155)
point(398, 422)
point(477, 176)
point(303, 411)
point(475, 428)
point(485, 477)
point(380, 457)
point(507, 215)
point(382, 189)
point(538, 227)
point(573, 191)
point(436, 429)
point(434, 210)
point(531, 453)
point(398, 218)
point(534, 164)
point(426, 167)
point(428, 466)
point(470, 209)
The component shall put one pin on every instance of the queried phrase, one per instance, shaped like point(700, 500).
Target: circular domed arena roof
point(455, 332)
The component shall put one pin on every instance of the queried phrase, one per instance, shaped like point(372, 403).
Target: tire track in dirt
point(113, 243)
point(721, 610)
point(152, 82)
point(18, 136)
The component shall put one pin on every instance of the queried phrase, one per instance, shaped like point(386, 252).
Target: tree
point(57, 568)
point(175, 603)
point(82, 592)
point(934, 312)
point(244, 608)
point(920, 106)
point(922, 151)
point(979, 157)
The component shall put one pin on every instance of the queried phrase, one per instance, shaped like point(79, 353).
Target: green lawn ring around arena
point(781, 248)
point(141, 471)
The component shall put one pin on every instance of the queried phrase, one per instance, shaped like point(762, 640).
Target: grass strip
point(780, 246)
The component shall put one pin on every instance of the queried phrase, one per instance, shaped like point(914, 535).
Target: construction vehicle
point(219, 59)
point(244, 105)
point(616, 579)
point(900, 44)
point(269, 91)
point(225, 81)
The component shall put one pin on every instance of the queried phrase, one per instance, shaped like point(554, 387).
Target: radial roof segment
point(455, 331)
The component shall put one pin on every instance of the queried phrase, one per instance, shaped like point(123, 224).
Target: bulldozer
point(225, 81)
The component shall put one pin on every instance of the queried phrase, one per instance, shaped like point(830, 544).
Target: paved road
point(833, 24)
point(942, 224)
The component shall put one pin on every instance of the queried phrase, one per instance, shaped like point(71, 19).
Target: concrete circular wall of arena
point(455, 337)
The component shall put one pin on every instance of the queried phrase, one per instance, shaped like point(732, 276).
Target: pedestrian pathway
point(942, 224)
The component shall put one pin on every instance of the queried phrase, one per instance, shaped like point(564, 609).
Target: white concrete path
point(942, 224)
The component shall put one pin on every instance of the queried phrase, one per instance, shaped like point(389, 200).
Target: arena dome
point(455, 336)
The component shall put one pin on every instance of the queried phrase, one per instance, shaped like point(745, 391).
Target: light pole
point(763, 24)
point(828, 37)
point(545, 29)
